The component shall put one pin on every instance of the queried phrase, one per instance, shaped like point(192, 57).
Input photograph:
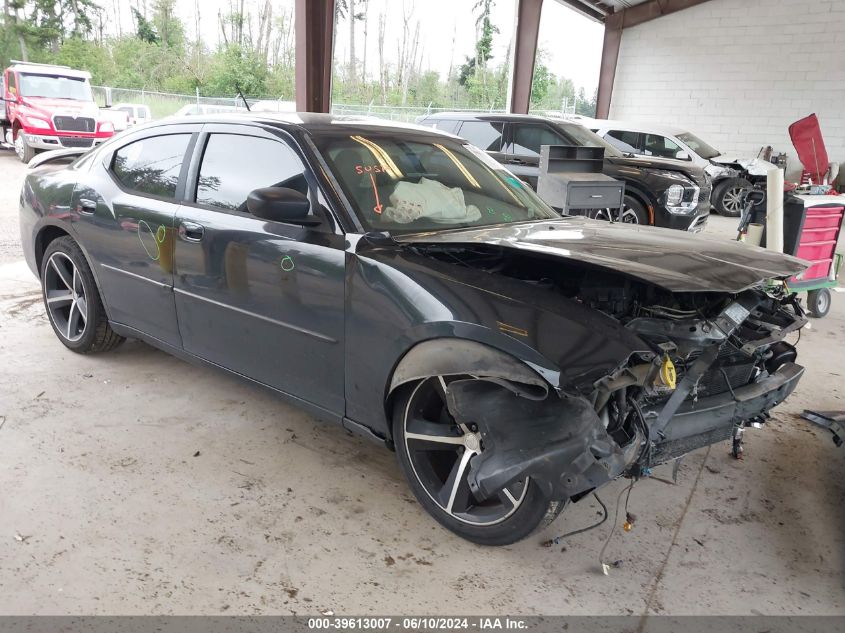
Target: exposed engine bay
point(710, 364)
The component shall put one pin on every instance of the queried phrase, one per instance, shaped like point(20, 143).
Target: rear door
point(264, 299)
point(485, 134)
point(124, 213)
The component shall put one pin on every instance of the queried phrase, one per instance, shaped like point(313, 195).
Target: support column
point(609, 58)
point(314, 30)
point(525, 51)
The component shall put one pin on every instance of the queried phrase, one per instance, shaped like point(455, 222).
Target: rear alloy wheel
point(729, 196)
point(818, 301)
point(72, 300)
point(435, 453)
point(23, 149)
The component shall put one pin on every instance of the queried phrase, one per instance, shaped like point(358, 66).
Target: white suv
point(730, 175)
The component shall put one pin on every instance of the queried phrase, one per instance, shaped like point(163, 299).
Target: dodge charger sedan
point(403, 284)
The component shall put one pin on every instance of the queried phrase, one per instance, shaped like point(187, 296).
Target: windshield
point(405, 182)
point(55, 87)
point(698, 146)
point(575, 134)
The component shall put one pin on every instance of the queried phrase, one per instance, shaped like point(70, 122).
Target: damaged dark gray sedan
point(401, 283)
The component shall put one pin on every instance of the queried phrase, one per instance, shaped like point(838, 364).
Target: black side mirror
point(280, 204)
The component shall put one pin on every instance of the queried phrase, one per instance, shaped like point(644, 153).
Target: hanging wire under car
point(556, 540)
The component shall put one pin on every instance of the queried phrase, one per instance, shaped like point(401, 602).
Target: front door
point(125, 218)
point(263, 299)
point(524, 141)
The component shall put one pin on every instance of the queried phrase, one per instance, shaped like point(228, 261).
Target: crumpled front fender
point(559, 442)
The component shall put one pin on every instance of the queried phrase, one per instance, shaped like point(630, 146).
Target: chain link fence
point(164, 104)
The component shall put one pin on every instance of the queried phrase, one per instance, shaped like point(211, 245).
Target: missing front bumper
point(710, 420)
point(564, 447)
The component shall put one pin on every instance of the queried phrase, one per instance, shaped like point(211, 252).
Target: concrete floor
point(134, 483)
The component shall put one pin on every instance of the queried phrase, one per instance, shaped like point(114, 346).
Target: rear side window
point(484, 134)
point(152, 165)
point(527, 139)
point(234, 165)
point(625, 141)
point(446, 125)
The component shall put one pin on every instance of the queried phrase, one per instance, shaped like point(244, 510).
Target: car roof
point(494, 116)
point(309, 121)
point(48, 69)
point(649, 128)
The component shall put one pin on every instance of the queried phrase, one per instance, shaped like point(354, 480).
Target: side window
point(624, 141)
point(447, 125)
point(233, 165)
point(527, 139)
point(656, 145)
point(13, 87)
point(484, 134)
point(152, 165)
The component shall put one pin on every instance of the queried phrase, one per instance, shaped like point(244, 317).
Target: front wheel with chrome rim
point(24, 150)
point(436, 454)
point(72, 301)
point(633, 212)
point(729, 196)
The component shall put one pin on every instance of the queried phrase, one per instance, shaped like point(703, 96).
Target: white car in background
point(192, 109)
point(731, 174)
point(137, 112)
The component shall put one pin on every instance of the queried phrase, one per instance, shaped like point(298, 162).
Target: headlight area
point(681, 199)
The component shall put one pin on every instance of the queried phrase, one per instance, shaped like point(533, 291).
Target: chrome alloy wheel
point(440, 452)
point(65, 296)
point(732, 200)
point(19, 147)
point(629, 216)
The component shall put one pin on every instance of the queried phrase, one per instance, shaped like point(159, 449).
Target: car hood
point(667, 164)
point(754, 166)
point(679, 263)
point(70, 107)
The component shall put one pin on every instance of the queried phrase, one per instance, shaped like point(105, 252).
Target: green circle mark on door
point(287, 263)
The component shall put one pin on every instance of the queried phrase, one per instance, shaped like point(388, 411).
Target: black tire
point(23, 149)
point(727, 196)
point(530, 511)
point(818, 302)
point(59, 281)
point(632, 213)
point(635, 212)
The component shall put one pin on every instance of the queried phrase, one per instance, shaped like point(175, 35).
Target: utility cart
point(818, 234)
point(811, 229)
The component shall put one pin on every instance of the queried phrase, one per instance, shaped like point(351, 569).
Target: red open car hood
point(807, 138)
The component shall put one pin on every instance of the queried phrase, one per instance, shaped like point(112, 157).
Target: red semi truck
point(49, 107)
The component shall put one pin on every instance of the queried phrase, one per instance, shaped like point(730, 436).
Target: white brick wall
point(738, 72)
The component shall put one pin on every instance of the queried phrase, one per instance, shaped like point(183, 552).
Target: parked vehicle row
point(731, 175)
point(401, 282)
point(658, 192)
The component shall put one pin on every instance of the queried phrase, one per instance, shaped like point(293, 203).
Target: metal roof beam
point(614, 24)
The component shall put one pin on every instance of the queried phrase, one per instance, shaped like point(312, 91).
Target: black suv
point(661, 192)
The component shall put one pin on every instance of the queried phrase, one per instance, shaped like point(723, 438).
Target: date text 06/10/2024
point(416, 623)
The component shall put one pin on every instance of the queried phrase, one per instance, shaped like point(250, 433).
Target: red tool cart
point(817, 235)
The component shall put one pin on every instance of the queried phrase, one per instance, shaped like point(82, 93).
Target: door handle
point(516, 161)
point(86, 206)
point(190, 231)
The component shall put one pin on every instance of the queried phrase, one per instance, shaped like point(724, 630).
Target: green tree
point(144, 29)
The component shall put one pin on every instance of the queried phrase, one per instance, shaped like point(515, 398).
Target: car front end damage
point(704, 380)
point(706, 357)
